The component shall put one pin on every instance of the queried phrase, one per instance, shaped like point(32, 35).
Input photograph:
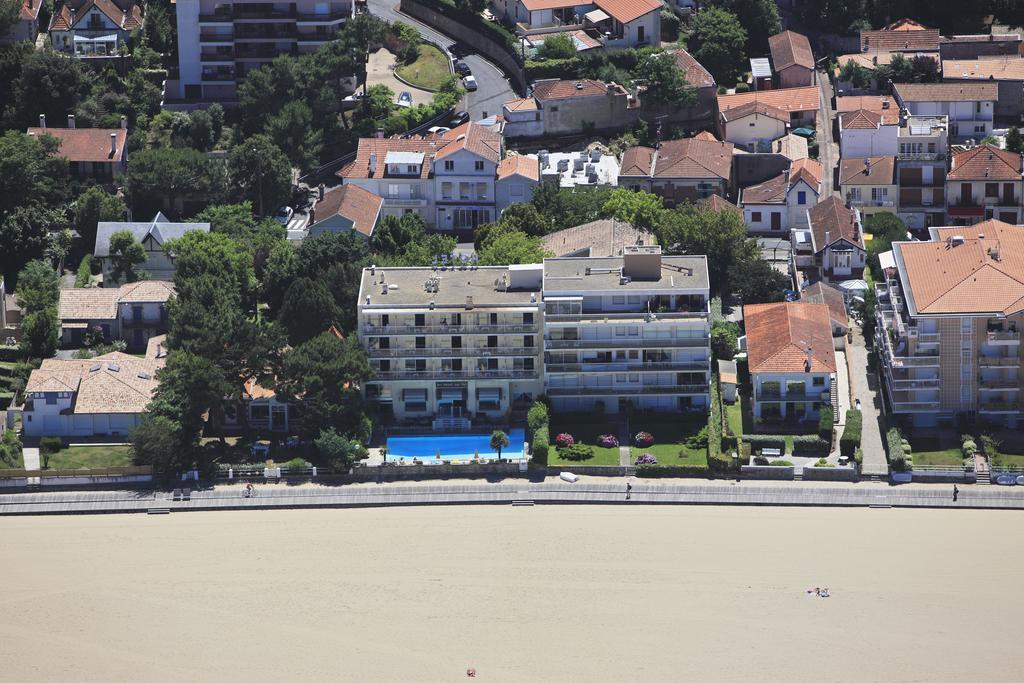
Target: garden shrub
point(898, 456)
point(822, 462)
point(670, 470)
point(803, 443)
point(50, 444)
point(698, 440)
point(608, 441)
point(850, 439)
point(858, 456)
point(83, 278)
point(760, 460)
point(564, 440)
point(538, 416)
point(296, 465)
point(541, 445)
point(825, 423)
point(759, 441)
point(646, 459)
point(742, 87)
point(780, 463)
point(643, 439)
point(576, 452)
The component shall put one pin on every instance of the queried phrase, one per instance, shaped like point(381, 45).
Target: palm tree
point(499, 440)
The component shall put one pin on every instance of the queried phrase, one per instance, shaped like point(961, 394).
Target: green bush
point(858, 456)
point(899, 459)
point(553, 68)
point(576, 452)
point(780, 463)
point(825, 422)
point(742, 87)
point(296, 465)
point(83, 278)
point(698, 440)
point(719, 450)
point(759, 441)
point(850, 439)
point(652, 471)
point(50, 444)
point(822, 462)
point(803, 443)
point(541, 444)
point(760, 460)
point(538, 416)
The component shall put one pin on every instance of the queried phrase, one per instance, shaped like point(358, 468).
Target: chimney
point(124, 122)
point(320, 189)
point(42, 120)
point(373, 164)
point(71, 120)
point(827, 235)
point(113, 145)
point(867, 167)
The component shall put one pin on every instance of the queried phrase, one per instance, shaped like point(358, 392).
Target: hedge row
point(826, 418)
point(801, 442)
point(899, 451)
point(538, 422)
point(654, 471)
point(718, 461)
point(850, 440)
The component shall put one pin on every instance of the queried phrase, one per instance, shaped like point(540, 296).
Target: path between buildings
point(864, 386)
point(828, 150)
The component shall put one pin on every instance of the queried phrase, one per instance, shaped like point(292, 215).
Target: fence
point(101, 476)
point(767, 472)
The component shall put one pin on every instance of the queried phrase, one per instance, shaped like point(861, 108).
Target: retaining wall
point(830, 474)
point(416, 472)
point(943, 477)
point(766, 472)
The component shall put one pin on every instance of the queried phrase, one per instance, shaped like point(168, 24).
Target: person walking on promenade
point(629, 490)
point(956, 492)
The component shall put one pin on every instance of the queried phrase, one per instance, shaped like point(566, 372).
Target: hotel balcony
point(999, 406)
point(626, 343)
point(226, 58)
point(262, 13)
point(511, 328)
point(455, 374)
point(628, 391)
point(216, 36)
point(626, 367)
point(914, 406)
point(448, 352)
point(998, 361)
point(1002, 338)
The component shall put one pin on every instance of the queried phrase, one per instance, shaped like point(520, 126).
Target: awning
point(488, 394)
point(965, 210)
point(596, 16)
point(853, 285)
point(414, 394)
point(451, 394)
point(96, 39)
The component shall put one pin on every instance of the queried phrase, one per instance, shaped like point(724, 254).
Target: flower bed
point(564, 440)
point(643, 439)
point(608, 441)
point(646, 459)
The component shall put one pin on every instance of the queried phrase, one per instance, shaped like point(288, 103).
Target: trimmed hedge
point(759, 441)
point(780, 463)
point(538, 416)
point(83, 278)
point(553, 68)
point(719, 458)
point(541, 445)
point(899, 457)
point(826, 419)
point(811, 442)
point(850, 440)
point(653, 471)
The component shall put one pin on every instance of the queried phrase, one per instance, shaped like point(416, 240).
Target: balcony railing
point(223, 17)
point(206, 57)
point(263, 13)
point(222, 76)
point(998, 361)
point(389, 330)
point(627, 367)
point(999, 407)
point(926, 337)
point(326, 17)
point(639, 316)
point(457, 374)
point(629, 391)
point(216, 37)
point(439, 352)
point(625, 342)
point(907, 384)
point(921, 156)
point(999, 384)
point(914, 406)
point(792, 397)
point(1004, 336)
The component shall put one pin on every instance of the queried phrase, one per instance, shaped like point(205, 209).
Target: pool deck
point(513, 491)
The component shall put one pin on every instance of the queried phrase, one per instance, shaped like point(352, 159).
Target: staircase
point(452, 424)
point(834, 398)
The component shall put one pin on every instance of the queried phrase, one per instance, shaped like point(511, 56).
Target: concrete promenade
point(551, 491)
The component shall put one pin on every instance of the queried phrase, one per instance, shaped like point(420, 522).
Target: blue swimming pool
point(453, 446)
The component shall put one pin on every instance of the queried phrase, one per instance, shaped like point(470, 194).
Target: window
point(464, 191)
point(751, 124)
point(801, 198)
point(878, 193)
point(478, 165)
point(639, 34)
point(755, 216)
point(421, 342)
point(392, 191)
point(819, 381)
point(481, 190)
point(419, 320)
point(492, 341)
point(855, 194)
point(554, 109)
point(383, 342)
point(51, 399)
point(515, 190)
point(412, 169)
point(527, 318)
point(456, 342)
point(991, 189)
point(979, 129)
point(449, 165)
point(528, 341)
point(446, 190)
point(618, 300)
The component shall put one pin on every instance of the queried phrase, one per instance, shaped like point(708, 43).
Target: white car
point(284, 215)
point(404, 99)
point(438, 130)
point(469, 83)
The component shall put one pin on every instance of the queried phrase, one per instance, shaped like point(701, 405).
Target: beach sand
point(559, 593)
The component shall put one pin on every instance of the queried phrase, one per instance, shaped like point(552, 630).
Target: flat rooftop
point(409, 287)
point(571, 275)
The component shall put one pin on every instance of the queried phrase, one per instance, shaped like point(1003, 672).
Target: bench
point(771, 452)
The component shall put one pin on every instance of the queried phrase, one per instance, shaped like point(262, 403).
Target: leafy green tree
point(126, 255)
point(757, 281)
point(563, 209)
point(720, 44)
point(855, 74)
point(833, 16)
point(884, 228)
point(424, 251)
point(721, 235)
point(95, 205)
point(513, 247)
point(39, 333)
point(308, 310)
point(31, 173)
point(1014, 140)
point(525, 218)
point(49, 83)
point(339, 451)
point(898, 70)
point(759, 18)
point(666, 83)
point(499, 440)
point(189, 387)
point(25, 235)
point(11, 449)
point(380, 100)
point(257, 236)
point(558, 46)
point(471, 6)
point(38, 286)
point(259, 172)
point(394, 234)
point(160, 29)
point(9, 10)
point(59, 246)
point(158, 441)
point(280, 270)
point(161, 179)
point(642, 209)
point(293, 131)
point(724, 336)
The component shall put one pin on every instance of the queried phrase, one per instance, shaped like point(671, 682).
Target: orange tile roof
point(637, 161)
point(831, 216)
point(602, 238)
point(519, 164)
point(352, 202)
point(790, 49)
point(905, 24)
point(706, 135)
point(807, 170)
point(883, 105)
point(947, 92)
point(483, 141)
point(360, 167)
point(823, 293)
point(693, 158)
point(806, 98)
point(110, 383)
point(754, 107)
point(779, 336)
point(996, 69)
point(564, 89)
point(716, 203)
point(771, 191)
point(30, 9)
point(694, 72)
point(985, 162)
point(895, 40)
point(626, 11)
point(86, 144)
point(862, 119)
point(877, 171)
point(522, 104)
point(977, 276)
point(536, 5)
point(125, 14)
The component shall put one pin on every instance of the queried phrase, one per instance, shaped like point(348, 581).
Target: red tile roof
point(86, 144)
point(126, 14)
point(790, 49)
point(483, 141)
point(754, 107)
point(985, 162)
point(807, 170)
point(352, 202)
point(637, 161)
point(877, 171)
point(947, 92)
point(833, 217)
point(898, 40)
point(522, 104)
point(779, 336)
point(706, 135)
point(560, 90)
point(823, 293)
point(862, 119)
point(519, 164)
point(807, 98)
point(716, 203)
point(30, 9)
point(694, 72)
point(883, 105)
point(688, 158)
point(626, 11)
point(771, 191)
point(991, 68)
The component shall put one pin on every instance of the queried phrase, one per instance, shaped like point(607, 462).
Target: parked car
point(404, 99)
point(469, 83)
point(459, 119)
point(352, 101)
point(438, 130)
point(284, 214)
point(459, 50)
point(462, 68)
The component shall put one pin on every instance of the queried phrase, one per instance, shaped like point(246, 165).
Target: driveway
point(380, 70)
point(864, 385)
point(493, 89)
point(828, 150)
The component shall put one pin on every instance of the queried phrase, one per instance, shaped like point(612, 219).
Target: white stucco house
point(780, 204)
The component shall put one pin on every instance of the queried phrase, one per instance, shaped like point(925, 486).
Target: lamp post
point(259, 167)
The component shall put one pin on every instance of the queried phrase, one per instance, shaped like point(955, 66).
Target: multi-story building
point(921, 170)
point(27, 25)
point(90, 29)
point(969, 106)
point(631, 329)
point(753, 126)
point(219, 41)
point(984, 182)
point(679, 170)
point(570, 107)
point(159, 263)
point(949, 319)
point(1006, 72)
point(98, 154)
point(780, 203)
point(832, 248)
point(452, 343)
point(610, 23)
point(869, 184)
point(134, 313)
point(866, 133)
point(802, 104)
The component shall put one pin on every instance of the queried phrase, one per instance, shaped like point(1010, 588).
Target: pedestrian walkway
point(864, 385)
point(30, 456)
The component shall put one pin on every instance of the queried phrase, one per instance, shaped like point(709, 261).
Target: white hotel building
point(453, 344)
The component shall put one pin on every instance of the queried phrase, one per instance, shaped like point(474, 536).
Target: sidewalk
point(863, 385)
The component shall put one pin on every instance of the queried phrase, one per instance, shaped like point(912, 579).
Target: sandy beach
point(537, 593)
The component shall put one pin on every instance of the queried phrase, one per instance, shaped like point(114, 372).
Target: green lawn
point(90, 457)
point(670, 434)
point(734, 415)
point(429, 70)
point(1002, 460)
point(949, 457)
point(584, 429)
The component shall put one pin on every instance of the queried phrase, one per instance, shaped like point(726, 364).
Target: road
point(493, 87)
point(828, 150)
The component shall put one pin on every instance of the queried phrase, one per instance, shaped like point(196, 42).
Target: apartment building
point(450, 344)
point(949, 319)
point(679, 170)
point(923, 146)
point(970, 107)
point(984, 182)
point(220, 41)
point(453, 344)
point(869, 184)
point(627, 330)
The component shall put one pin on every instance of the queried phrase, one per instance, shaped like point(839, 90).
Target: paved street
point(865, 388)
point(493, 88)
point(828, 150)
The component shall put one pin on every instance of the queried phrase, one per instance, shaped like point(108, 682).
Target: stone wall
point(830, 474)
